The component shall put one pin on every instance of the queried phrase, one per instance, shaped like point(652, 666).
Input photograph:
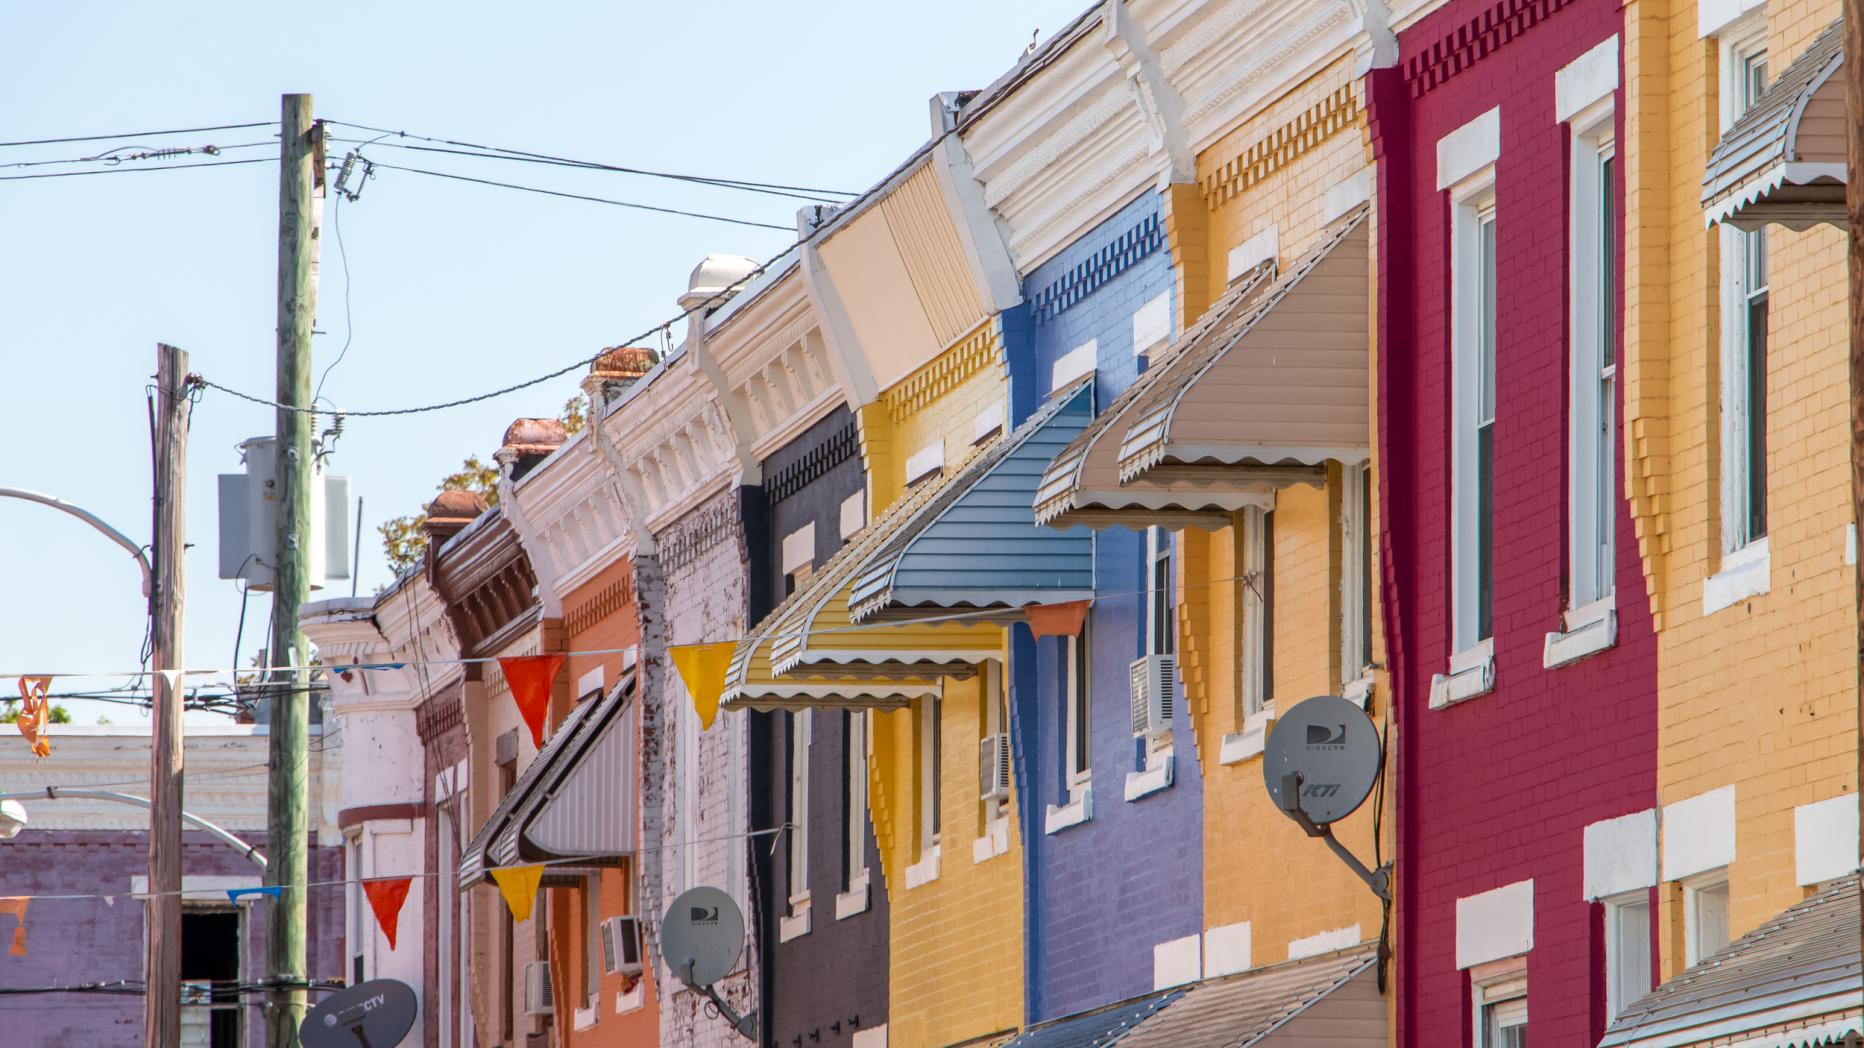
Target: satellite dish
point(373, 1014)
point(1323, 758)
point(705, 928)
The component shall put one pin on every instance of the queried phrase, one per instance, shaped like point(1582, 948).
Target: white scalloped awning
point(1784, 160)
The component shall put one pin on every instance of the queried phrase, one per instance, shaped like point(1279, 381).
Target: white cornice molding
point(544, 565)
point(843, 349)
point(981, 234)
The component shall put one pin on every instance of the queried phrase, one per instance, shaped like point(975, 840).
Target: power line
point(152, 153)
point(138, 134)
point(581, 196)
point(140, 170)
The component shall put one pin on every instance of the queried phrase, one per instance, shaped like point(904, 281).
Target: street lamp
point(12, 819)
point(13, 814)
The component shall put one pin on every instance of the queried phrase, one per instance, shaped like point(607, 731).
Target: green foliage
point(9, 714)
point(404, 539)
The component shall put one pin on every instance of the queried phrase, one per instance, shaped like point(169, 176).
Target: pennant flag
point(110, 901)
point(702, 669)
point(34, 710)
point(173, 677)
point(16, 905)
point(530, 677)
point(385, 897)
point(518, 884)
point(272, 891)
point(1056, 620)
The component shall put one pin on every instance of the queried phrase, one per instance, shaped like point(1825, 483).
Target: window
point(1355, 572)
point(592, 939)
point(1504, 1023)
point(1258, 614)
point(1705, 916)
point(443, 946)
point(1160, 625)
point(992, 721)
point(1627, 951)
point(1744, 315)
point(929, 751)
point(1473, 401)
point(854, 800)
point(800, 724)
point(1077, 722)
point(1592, 498)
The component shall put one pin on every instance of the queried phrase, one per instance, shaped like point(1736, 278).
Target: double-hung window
point(1159, 606)
point(1705, 916)
point(797, 833)
point(1257, 654)
point(1473, 401)
point(1504, 1023)
point(1627, 951)
point(854, 801)
point(1743, 49)
point(1592, 497)
point(1355, 573)
point(930, 752)
point(1077, 720)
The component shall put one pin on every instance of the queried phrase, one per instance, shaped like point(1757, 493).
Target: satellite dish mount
point(702, 938)
point(1321, 762)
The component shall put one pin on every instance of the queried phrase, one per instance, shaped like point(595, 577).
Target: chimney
point(713, 280)
point(447, 516)
point(529, 441)
point(615, 370)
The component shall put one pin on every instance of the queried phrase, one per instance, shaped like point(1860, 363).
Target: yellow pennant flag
point(702, 668)
point(518, 885)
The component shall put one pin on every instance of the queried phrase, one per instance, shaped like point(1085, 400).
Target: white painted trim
point(925, 871)
point(1260, 248)
point(1177, 962)
point(595, 680)
point(855, 900)
point(1699, 833)
point(795, 923)
point(1746, 573)
point(1156, 777)
point(1620, 854)
point(1712, 16)
point(1359, 691)
point(1324, 942)
point(853, 514)
point(1472, 674)
point(872, 1037)
point(198, 887)
point(1242, 745)
point(1825, 839)
point(926, 461)
point(994, 841)
point(989, 422)
point(1081, 360)
point(584, 1018)
point(1469, 148)
point(1587, 79)
point(1589, 630)
point(631, 1000)
point(1495, 924)
point(799, 548)
point(1851, 544)
point(1152, 324)
point(1227, 949)
point(1343, 196)
point(1079, 809)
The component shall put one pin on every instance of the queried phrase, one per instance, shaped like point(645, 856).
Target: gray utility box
point(249, 520)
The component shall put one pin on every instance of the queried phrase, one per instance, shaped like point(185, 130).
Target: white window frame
point(1740, 47)
point(929, 752)
point(1357, 574)
point(994, 723)
point(592, 941)
point(1627, 954)
point(796, 922)
point(1077, 725)
point(1592, 439)
point(1699, 894)
point(1500, 1013)
point(1258, 613)
point(1473, 207)
point(854, 898)
point(443, 944)
point(1161, 621)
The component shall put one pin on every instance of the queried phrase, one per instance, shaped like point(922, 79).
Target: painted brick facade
point(1570, 745)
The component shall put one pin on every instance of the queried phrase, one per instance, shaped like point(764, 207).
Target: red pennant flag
point(385, 897)
point(530, 677)
point(1056, 620)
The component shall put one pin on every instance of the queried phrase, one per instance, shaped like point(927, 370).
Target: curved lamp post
point(13, 814)
point(85, 515)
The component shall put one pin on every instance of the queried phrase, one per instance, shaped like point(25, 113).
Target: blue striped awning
point(1095, 1029)
point(977, 545)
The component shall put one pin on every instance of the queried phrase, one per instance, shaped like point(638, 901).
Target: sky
point(449, 288)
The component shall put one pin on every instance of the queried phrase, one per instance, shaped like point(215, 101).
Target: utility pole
point(1854, 258)
point(162, 995)
point(300, 176)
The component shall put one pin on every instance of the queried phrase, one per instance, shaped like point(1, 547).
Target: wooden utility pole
point(300, 173)
point(162, 993)
point(1854, 258)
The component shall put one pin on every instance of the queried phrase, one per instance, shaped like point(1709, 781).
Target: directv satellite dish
point(373, 1014)
point(705, 929)
point(1322, 759)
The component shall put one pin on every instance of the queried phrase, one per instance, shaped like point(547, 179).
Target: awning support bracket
point(1379, 880)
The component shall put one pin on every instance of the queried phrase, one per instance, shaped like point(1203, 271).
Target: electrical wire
point(138, 134)
point(153, 154)
point(583, 196)
point(139, 170)
point(349, 325)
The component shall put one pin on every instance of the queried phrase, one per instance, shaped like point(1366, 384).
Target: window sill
point(925, 871)
point(584, 1019)
point(632, 1000)
point(1242, 745)
point(796, 923)
point(855, 900)
point(1156, 777)
point(1472, 674)
point(1745, 573)
point(994, 841)
point(1359, 691)
point(1589, 630)
point(1074, 813)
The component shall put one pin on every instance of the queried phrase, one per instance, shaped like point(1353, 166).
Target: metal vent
point(539, 998)
point(993, 767)
point(621, 946)
point(1154, 695)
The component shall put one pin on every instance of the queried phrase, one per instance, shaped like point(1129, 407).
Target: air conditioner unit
point(538, 997)
point(621, 945)
point(1155, 695)
point(993, 767)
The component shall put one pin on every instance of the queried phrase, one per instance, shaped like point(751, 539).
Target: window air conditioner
point(538, 996)
point(993, 767)
point(1155, 695)
point(621, 945)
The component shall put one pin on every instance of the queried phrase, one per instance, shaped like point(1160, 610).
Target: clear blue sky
point(455, 288)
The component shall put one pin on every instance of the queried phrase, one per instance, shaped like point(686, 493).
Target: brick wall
point(443, 743)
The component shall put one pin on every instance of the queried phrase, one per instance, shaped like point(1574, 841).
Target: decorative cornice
point(442, 712)
point(1275, 62)
point(1476, 39)
point(687, 539)
point(832, 451)
point(1280, 147)
point(607, 601)
point(1074, 286)
point(1065, 140)
point(945, 372)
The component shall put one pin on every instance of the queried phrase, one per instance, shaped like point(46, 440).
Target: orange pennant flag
point(702, 669)
point(34, 710)
point(530, 677)
point(385, 897)
point(1056, 620)
point(518, 884)
point(16, 905)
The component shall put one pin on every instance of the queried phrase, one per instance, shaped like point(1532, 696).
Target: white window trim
point(1692, 932)
point(1465, 152)
point(855, 900)
point(1589, 580)
point(1471, 199)
point(1152, 324)
point(796, 922)
point(1506, 995)
point(802, 727)
point(1355, 535)
point(1639, 899)
point(1737, 41)
point(994, 841)
point(1256, 613)
point(1586, 80)
point(854, 820)
point(989, 422)
point(1359, 690)
point(632, 999)
point(799, 548)
point(1260, 248)
point(853, 515)
point(1078, 704)
point(1079, 809)
point(1747, 572)
point(1241, 745)
point(1081, 360)
point(1587, 631)
point(926, 461)
point(1472, 674)
point(925, 871)
point(929, 724)
point(1157, 776)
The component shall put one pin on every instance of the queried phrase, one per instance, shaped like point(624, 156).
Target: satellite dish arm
point(745, 1024)
point(1379, 880)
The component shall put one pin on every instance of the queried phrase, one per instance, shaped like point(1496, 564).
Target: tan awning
point(1784, 160)
point(1276, 385)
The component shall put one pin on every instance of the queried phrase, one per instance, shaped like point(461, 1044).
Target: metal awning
point(1784, 160)
point(1330, 999)
point(1100, 479)
point(1794, 982)
point(573, 801)
point(976, 545)
point(1100, 1027)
